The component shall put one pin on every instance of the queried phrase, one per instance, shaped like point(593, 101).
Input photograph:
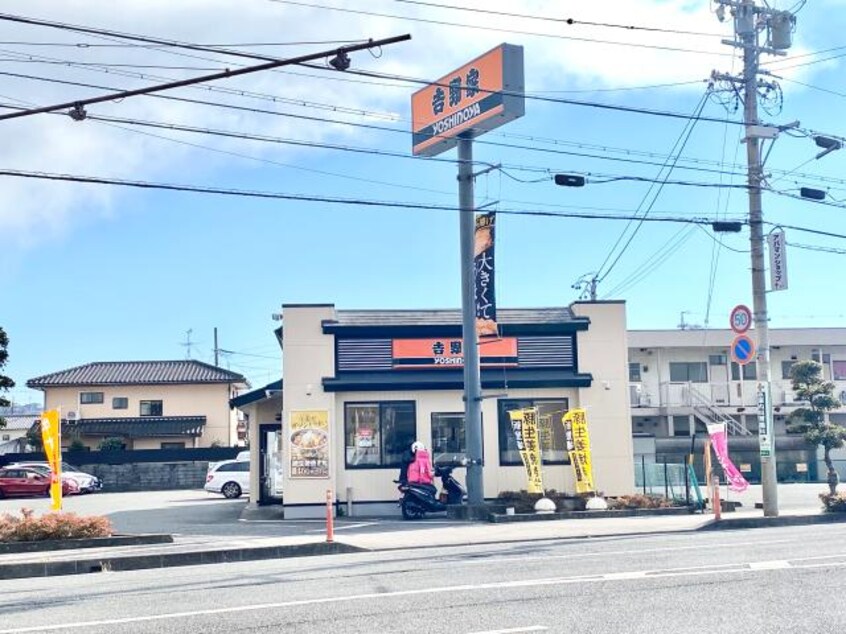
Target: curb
point(767, 522)
point(9, 548)
point(168, 560)
point(581, 515)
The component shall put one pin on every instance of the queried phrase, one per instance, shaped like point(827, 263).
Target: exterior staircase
point(706, 412)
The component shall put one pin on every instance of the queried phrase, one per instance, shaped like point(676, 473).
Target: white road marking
point(770, 565)
point(341, 527)
point(517, 558)
point(514, 630)
point(742, 567)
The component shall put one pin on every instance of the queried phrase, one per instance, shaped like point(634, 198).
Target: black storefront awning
point(452, 380)
point(141, 427)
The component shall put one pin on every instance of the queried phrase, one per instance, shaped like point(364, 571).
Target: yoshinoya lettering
point(456, 119)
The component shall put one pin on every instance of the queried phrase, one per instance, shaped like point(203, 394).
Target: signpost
point(742, 350)
point(484, 94)
point(740, 319)
point(765, 421)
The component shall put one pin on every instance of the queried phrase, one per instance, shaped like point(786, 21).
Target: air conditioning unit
point(71, 415)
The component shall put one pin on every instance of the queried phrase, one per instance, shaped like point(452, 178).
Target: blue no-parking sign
point(742, 350)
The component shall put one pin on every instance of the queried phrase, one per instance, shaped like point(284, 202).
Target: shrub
point(76, 445)
point(111, 444)
point(28, 528)
point(834, 502)
point(524, 502)
point(639, 501)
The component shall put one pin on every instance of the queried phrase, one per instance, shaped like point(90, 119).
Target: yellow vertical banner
point(51, 439)
point(578, 447)
point(524, 424)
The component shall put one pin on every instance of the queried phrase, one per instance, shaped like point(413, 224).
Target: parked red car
point(15, 481)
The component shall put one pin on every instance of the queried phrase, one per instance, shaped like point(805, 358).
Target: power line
point(672, 158)
point(568, 21)
point(84, 45)
point(465, 25)
point(202, 79)
point(201, 189)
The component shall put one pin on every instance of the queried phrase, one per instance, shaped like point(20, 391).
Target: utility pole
point(216, 350)
point(472, 373)
point(749, 21)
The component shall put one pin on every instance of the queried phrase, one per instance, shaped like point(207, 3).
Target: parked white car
point(231, 478)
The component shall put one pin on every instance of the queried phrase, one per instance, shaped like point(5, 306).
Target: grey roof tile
point(18, 422)
point(554, 315)
point(137, 373)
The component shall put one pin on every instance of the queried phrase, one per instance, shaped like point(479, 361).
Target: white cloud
point(30, 211)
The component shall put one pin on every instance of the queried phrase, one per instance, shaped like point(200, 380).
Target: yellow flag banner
point(51, 440)
point(524, 424)
point(578, 447)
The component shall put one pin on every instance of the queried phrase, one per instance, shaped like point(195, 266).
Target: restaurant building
point(361, 385)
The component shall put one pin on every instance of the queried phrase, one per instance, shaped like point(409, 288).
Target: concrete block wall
point(149, 476)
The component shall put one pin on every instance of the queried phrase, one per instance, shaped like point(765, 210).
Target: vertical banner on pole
point(524, 424)
point(719, 441)
point(52, 443)
point(778, 260)
point(483, 265)
point(578, 447)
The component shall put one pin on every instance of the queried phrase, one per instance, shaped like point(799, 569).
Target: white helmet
point(416, 446)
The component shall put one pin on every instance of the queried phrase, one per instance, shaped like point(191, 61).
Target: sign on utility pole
point(484, 94)
point(778, 260)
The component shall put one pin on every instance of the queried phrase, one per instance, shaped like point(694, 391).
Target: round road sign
point(742, 350)
point(740, 319)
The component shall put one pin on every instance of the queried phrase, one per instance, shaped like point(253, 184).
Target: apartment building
point(681, 379)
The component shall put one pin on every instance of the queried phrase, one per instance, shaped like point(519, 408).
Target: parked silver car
point(86, 482)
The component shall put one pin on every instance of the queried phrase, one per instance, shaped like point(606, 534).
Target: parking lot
point(196, 513)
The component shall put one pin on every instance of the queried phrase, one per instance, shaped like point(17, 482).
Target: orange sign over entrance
point(448, 352)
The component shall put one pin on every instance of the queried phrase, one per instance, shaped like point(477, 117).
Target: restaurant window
point(90, 398)
point(379, 434)
point(120, 402)
point(750, 372)
point(693, 371)
point(634, 372)
point(151, 408)
point(449, 439)
point(550, 430)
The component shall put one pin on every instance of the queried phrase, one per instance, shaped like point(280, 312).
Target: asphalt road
point(762, 580)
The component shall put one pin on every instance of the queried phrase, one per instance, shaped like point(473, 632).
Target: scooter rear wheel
point(411, 511)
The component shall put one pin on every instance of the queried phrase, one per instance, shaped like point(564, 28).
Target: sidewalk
point(194, 550)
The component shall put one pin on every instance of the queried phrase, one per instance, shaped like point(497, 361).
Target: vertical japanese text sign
point(524, 423)
point(578, 446)
point(52, 443)
point(483, 265)
point(778, 260)
point(480, 96)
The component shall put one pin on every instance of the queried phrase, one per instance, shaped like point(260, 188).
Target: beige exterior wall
point(602, 351)
point(209, 400)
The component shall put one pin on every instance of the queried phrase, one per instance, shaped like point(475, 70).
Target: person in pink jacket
point(420, 470)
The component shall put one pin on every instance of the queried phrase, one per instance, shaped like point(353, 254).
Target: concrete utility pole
point(749, 21)
point(472, 374)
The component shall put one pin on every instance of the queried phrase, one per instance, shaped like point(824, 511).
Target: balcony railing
point(733, 394)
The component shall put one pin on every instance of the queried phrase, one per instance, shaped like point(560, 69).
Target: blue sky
point(104, 273)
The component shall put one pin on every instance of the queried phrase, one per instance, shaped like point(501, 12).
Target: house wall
point(209, 400)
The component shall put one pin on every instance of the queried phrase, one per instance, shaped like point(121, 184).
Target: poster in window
point(578, 446)
point(309, 438)
point(483, 264)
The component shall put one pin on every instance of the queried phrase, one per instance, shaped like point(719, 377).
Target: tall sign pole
point(484, 94)
point(749, 21)
point(472, 372)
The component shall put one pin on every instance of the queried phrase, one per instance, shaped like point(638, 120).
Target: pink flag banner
point(719, 441)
